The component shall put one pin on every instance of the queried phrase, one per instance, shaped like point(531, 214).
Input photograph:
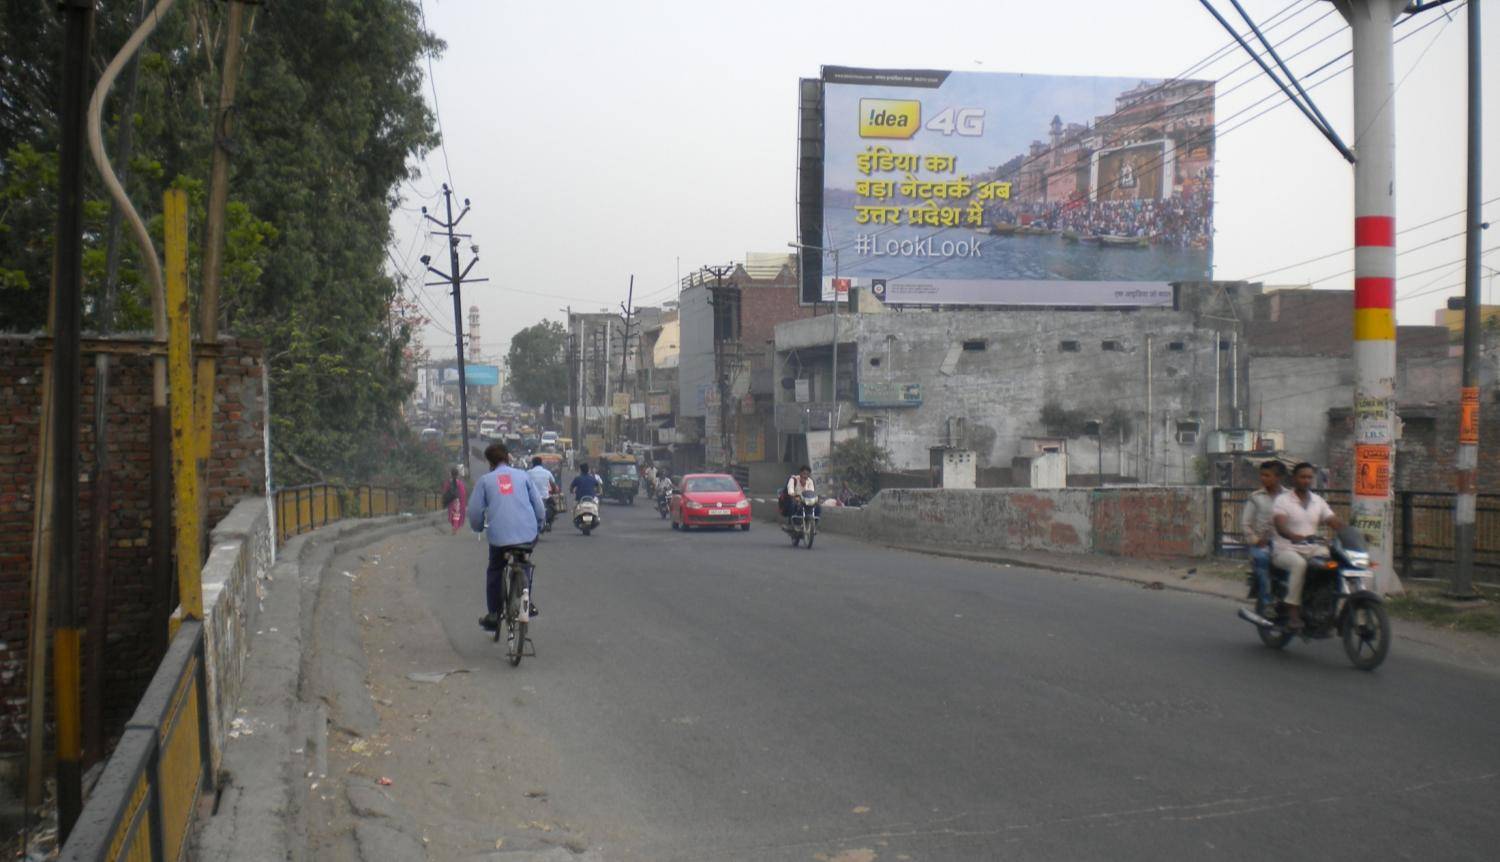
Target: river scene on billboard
point(991, 183)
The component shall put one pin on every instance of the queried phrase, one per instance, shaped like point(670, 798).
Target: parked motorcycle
point(664, 505)
point(803, 524)
point(1338, 599)
point(586, 514)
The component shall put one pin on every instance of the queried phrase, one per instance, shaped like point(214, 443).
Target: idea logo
point(889, 118)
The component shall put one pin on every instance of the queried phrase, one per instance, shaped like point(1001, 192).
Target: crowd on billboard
point(1181, 221)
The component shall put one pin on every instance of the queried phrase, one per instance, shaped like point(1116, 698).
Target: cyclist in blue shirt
point(508, 500)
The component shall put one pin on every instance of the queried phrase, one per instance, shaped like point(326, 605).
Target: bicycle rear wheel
point(515, 628)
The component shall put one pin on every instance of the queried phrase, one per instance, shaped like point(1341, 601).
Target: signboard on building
point(621, 403)
point(659, 403)
point(803, 390)
point(638, 410)
point(979, 188)
point(890, 394)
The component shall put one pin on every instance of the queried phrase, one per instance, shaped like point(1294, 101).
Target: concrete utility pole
point(1374, 276)
point(1467, 483)
point(721, 379)
point(629, 308)
point(456, 280)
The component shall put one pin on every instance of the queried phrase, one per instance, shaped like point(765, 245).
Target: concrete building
point(1126, 394)
point(1300, 366)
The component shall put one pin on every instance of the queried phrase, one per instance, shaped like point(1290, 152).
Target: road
point(723, 696)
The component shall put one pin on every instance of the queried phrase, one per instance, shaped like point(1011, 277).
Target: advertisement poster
point(981, 188)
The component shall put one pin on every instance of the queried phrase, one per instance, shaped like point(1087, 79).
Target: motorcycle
point(586, 514)
point(554, 505)
point(1338, 599)
point(664, 505)
point(802, 526)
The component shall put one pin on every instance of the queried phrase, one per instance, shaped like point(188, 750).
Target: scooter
point(586, 514)
point(802, 526)
point(1338, 599)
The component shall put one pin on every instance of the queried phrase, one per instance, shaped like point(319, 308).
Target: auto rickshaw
point(622, 479)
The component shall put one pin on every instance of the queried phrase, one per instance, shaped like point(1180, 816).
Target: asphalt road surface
point(720, 695)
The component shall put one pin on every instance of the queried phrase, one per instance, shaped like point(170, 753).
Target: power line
point(1351, 248)
point(437, 114)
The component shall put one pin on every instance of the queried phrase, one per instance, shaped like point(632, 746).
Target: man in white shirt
point(1258, 527)
point(1297, 517)
point(799, 482)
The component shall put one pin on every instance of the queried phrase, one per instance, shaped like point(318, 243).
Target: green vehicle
point(622, 480)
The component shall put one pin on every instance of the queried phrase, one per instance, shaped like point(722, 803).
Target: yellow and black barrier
point(303, 508)
point(141, 810)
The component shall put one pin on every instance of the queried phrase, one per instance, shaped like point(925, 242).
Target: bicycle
point(517, 591)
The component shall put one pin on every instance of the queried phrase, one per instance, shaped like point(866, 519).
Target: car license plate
point(718, 511)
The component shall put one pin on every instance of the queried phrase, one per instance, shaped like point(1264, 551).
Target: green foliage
point(328, 113)
point(857, 463)
point(538, 364)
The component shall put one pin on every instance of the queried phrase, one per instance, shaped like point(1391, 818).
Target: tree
point(328, 115)
point(857, 464)
point(539, 365)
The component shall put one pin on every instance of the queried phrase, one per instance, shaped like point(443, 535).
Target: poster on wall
point(979, 188)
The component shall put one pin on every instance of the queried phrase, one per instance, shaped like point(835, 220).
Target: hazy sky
point(600, 139)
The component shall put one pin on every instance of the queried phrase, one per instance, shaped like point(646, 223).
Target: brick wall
point(134, 637)
point(1428, 448)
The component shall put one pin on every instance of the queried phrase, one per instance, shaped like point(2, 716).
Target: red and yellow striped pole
point(1375, 278)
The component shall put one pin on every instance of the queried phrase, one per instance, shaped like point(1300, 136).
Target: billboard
point(980, 188)
point(474, 375)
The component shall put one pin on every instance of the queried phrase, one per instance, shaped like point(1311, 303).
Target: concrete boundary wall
point(233, 585)
point(1147, 522)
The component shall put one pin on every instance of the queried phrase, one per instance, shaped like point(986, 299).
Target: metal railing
point(302, 508)
point(1423, 526)
point(142, 807)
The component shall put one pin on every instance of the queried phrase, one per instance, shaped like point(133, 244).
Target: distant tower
point(474, 352)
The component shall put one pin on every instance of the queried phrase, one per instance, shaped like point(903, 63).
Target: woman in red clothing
point(455, 497)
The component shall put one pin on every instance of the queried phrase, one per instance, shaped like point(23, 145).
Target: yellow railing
point(308, 507)
point(142, 807)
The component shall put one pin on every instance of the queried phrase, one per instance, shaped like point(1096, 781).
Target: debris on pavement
point(385, 782)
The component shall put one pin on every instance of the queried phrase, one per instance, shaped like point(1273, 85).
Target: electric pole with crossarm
point(455, 280)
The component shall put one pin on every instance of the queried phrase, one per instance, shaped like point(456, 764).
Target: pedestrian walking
point(454, 497)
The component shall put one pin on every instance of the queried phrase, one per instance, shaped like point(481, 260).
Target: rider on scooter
point(1297, 517)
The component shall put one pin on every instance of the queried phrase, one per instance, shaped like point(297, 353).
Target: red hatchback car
point(709, 500)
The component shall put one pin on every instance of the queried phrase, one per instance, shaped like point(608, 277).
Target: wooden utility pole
point(213, 246)
point(67, 325)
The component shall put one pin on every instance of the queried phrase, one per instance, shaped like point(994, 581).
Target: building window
point(1111, 345)
point(874, 361)
point(974, 345)
point(1068, 346)
point(1176, 346)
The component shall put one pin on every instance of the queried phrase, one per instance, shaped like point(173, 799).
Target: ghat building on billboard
point(1145, 169)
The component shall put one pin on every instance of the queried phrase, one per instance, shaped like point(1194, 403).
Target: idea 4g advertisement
point(978, 188)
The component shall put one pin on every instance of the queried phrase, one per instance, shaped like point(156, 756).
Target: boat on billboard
point(981, 188)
